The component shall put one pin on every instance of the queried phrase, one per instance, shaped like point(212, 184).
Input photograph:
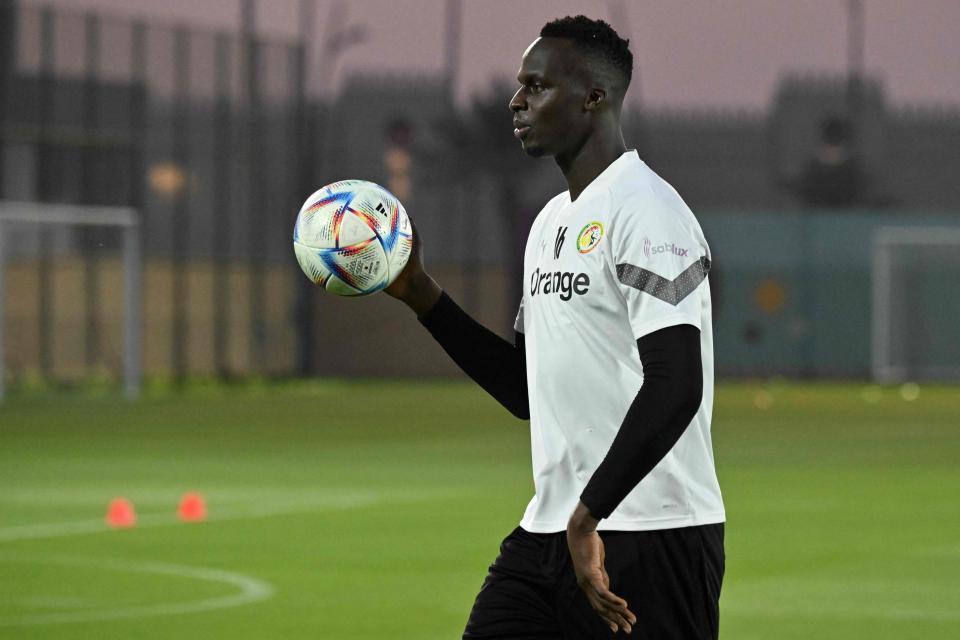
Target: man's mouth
point(520, 131)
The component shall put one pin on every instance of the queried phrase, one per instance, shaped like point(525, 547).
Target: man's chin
point(532, 150)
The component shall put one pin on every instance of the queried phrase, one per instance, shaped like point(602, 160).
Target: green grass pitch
point(351, 510)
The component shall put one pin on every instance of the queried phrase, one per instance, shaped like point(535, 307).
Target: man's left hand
point(587, 554)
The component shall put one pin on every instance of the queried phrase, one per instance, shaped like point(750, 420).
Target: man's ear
point(595, 99)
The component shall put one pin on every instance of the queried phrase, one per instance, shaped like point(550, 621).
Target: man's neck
point(582, 167)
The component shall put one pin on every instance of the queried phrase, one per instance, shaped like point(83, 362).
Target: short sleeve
point(661, 265)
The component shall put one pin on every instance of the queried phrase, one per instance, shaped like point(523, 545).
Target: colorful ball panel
point(352, 238)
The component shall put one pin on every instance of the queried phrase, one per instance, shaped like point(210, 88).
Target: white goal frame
point(128, 219)
point(884, 369)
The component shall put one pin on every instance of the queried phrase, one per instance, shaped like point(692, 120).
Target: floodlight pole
point(308, 20)
point(855, 38)
point(855, 56)
point(452, 46)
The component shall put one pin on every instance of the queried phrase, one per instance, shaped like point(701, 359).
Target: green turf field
point(354, 510)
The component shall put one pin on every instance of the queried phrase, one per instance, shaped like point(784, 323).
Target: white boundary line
point(329, 502)
point(251, 590)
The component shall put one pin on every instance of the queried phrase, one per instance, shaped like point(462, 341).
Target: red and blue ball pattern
point(352, 237)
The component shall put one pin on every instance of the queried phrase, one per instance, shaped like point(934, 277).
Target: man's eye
point(536, 87)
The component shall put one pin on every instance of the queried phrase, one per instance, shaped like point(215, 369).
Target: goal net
point(24, 314)
point(916, 304)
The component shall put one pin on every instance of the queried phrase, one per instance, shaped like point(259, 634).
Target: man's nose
point(517, 103)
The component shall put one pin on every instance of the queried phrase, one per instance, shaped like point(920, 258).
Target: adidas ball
point(352, 238)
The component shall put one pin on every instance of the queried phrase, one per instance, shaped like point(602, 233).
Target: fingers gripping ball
point(352, 238)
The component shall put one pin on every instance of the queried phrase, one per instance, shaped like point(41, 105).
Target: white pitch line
point(41, 602)
point(345, 500)
point(251, 590)
point(86, 497)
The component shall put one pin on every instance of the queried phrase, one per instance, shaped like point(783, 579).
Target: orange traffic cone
point(192, 508)
point(120, 513)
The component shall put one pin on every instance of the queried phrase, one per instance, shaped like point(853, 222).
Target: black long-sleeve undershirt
point(492, 362)
point(663, 408)
point(668, 399)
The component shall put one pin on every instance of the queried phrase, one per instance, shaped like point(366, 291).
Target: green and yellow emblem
point(589, 237)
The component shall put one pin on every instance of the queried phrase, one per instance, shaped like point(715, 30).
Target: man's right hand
point(414, 286)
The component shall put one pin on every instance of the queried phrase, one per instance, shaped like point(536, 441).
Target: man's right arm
point(492, 362)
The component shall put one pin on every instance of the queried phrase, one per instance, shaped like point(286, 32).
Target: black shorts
point(670, 579)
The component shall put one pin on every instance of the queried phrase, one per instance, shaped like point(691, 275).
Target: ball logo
point(589, 237)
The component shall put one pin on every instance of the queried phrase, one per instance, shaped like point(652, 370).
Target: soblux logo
point(649, 249)
point(558, 243)
point(564, 283)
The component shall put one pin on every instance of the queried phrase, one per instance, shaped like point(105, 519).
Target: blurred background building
point(215, 137)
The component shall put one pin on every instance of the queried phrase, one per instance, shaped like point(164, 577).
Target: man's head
point(572, 81)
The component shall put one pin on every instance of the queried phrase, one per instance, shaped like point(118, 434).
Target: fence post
point(44, 191)
point(255, 167)
point(88, 164)
point(223, 202)
point(303, 289)
point(8, 22)
point(132, 290)
point(8, 61)
point(180, 231)
point(137, 130)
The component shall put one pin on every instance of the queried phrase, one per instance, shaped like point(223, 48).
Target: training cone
point(120, 513)
point(192, 508)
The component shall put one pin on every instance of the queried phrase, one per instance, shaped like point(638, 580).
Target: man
point(612, 363)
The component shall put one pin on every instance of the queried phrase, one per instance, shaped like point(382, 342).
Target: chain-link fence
point(201, 131)
point(211, 137)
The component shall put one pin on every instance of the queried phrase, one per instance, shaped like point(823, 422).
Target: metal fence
point(211, 136)
point(201, 131)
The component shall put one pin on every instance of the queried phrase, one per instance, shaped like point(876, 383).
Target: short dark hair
point(595, 38)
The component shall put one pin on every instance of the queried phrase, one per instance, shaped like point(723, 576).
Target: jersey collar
point(627, 160)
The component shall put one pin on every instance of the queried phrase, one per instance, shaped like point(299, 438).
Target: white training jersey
point(625, 259)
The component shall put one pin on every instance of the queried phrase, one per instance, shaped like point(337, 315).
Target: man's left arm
point(666, 403)
point(663, 408)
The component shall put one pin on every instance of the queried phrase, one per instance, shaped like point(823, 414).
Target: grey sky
point(691, 53)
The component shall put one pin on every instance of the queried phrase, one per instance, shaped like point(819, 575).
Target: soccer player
point(612, 363)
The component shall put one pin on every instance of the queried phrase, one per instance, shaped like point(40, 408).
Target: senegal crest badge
point(589, 237)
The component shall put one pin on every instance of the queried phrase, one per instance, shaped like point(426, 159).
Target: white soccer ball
point(352, 238)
